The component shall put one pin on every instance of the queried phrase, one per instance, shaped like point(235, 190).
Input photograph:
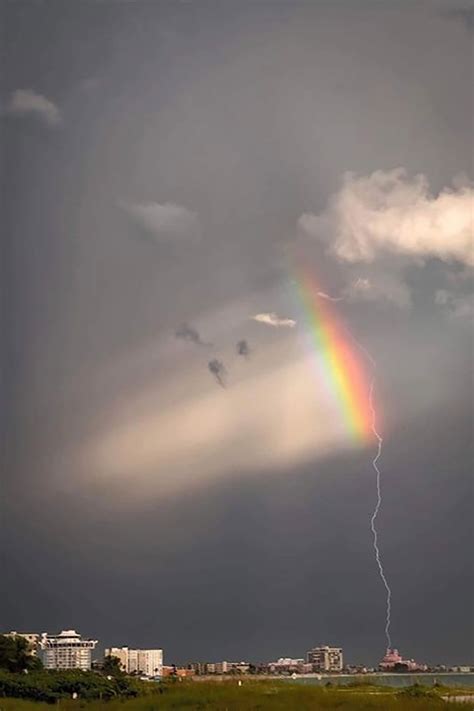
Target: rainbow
point(341, 364)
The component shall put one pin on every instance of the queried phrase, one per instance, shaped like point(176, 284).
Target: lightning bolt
point(378, 477)
point(375, 514)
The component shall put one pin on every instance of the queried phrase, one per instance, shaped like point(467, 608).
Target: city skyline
point(70, 650)
point(196, 195)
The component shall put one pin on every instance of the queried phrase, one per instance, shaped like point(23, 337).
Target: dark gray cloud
point(188, 333)
point(217, 368)
point(246, 115)
point(242, 347)
point(464, 15)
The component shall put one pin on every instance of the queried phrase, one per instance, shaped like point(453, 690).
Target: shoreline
point(368, 678)
point(325, 675)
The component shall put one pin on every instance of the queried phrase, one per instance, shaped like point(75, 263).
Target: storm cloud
point(168, 202)
point(217, 368)
point(188, 333)
point(243, 348)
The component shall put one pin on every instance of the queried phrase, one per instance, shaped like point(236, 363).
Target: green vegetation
point(14, 655)
point(253, 695)
point(25, 686)
point(22, 677)
point(111, 666)
point(52, 686)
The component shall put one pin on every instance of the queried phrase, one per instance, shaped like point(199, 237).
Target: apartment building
point(148, 662)
point(325, 659)
point(122, 654)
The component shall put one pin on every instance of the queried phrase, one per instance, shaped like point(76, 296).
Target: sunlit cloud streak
point(185, 433)
point(323, 295)
point(272, 319)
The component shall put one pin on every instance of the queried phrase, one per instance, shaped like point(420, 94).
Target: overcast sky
point(166, 168)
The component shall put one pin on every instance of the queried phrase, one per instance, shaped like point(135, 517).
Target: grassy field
point(256, 695)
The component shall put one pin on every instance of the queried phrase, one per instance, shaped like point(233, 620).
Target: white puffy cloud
point(163, 221)
point(389, 212)
point(25, 102)
point(272, 319)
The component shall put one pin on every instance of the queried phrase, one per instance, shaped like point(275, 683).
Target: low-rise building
point(175, 671)
point(197, 668)
point(66, 650)
point(393, 661)
point(232, 667)
point(325, 659)
point(287, 665)
point(356, 669)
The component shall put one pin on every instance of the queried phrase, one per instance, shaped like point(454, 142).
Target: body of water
point(459, 679)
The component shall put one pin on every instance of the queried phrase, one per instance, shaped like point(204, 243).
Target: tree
point(15, 655)
point(112, 666)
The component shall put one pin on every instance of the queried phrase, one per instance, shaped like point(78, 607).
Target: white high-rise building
point(325, 659)
point(66, 650)
point(122, 654)
point(148, 662)
point(132, 662)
